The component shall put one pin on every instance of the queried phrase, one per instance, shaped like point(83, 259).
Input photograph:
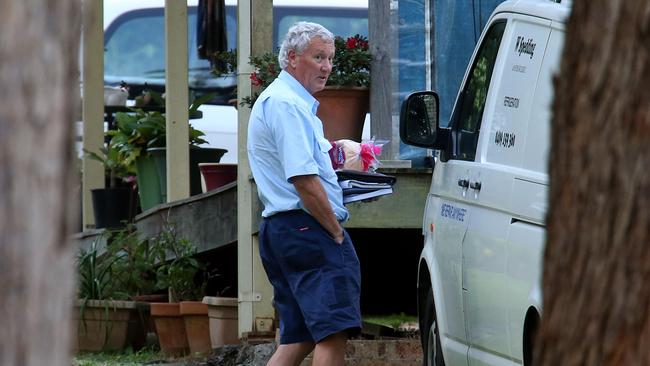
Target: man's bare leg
point(331, 350)
point(290, 354)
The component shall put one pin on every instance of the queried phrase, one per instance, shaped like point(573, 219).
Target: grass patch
point(394, 320)
point(125, 358)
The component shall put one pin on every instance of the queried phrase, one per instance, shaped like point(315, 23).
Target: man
point(307, 255)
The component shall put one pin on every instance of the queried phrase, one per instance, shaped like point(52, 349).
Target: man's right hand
point(313, 196)
point(338, 238)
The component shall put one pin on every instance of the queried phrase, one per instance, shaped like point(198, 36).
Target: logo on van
point(454, 213)
point(525, 46)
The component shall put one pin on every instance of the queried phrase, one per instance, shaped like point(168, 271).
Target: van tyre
point(430, 334)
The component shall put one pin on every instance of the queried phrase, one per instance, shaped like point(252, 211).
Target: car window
point(135, 46)
point(128, 53)
point(341, 22)
point(467, 118)
point(135, 53)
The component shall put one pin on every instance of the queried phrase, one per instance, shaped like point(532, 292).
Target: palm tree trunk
point(38, 94)
point(597, 261)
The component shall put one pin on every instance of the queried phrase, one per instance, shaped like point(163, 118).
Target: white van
point(479, 294)
point(134, 41)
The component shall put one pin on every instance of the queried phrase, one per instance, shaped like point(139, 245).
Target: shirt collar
point(300, 90)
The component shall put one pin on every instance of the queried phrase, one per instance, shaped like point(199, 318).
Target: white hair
point(298, 38)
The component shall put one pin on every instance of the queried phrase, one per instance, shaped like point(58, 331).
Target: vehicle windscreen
point(134, 46)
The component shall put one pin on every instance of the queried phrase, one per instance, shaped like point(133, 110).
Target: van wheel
point(431, 347)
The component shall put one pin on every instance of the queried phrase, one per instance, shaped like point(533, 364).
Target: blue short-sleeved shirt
point(285, 139)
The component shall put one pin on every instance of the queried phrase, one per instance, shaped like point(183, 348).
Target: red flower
point(352, 43)
point(256, 81)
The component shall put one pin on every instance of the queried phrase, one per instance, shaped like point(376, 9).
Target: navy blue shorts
point(316, 281)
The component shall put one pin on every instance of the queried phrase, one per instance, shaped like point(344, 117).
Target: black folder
point(365, 177)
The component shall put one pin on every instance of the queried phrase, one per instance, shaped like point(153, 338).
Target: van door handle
point(475, 185)
point(463, 183)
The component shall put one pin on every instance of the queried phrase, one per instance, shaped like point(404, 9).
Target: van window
point(467, 117)
point(135, 46)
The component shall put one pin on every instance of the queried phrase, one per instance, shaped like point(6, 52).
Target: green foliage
point(194, 106)
point(133, 266)
point(94, 274)
point(115, 163)
point(225, 62)
point(179, 273)
point(139, 130)
point(351, 62)
point(134, 272)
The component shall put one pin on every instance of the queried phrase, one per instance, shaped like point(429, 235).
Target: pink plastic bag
point(348, 154)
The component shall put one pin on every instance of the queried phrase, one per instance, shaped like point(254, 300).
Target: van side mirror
point(418, 125)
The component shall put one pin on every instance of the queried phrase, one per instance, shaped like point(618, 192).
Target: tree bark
point(597, 260)
point(39, 91)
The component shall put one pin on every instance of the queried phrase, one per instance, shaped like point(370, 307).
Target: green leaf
point(200, 101)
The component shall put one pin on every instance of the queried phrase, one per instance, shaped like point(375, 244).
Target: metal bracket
point(264, 325)
point(250, 297)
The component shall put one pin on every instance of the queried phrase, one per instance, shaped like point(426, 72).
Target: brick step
point(376, 352)
point(381, 352)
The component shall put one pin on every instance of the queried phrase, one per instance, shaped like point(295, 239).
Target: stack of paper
point(359, 186)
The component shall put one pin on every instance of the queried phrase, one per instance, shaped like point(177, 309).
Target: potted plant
point(345, 100)
point(102, 318)
point(182, 324)
point(114, 205)
point(141, 137)
point(134, 271)
point(134, 277)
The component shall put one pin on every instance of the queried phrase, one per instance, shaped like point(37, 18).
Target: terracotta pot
point(103, 325)
point(343, 111)
point(151, 298)
point(197, 326)
point(150, 326)
point(170, 328)
point(223, 320)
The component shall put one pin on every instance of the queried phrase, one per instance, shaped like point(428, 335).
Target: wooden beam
point(261, 42)
point(403, 209)
point(176, 101)
point(254, 37)
point(244, 186)
point(381, 83)
point(92, 175)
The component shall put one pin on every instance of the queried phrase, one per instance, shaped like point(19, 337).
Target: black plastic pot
point(113, 207)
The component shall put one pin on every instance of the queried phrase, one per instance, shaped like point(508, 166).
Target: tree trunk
point(597, 260)
point(39, 91)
